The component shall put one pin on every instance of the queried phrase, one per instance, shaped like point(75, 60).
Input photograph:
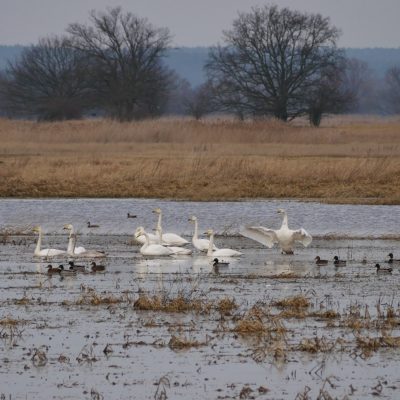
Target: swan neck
point(71, 246)
point(147, 241)
point(39, 242)
point(210, 245)
point(284, 221)
point(159, 233)
point(195, 235)
point(159, 221)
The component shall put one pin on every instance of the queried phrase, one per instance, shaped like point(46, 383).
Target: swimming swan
point(71, 249)
point(219, 252)
point(169, 239)
point(178, 251)
point(44, 252)
point(86, 253)
point(284, 236)
point(141, 239)
point(199, 244)
point(153, 249)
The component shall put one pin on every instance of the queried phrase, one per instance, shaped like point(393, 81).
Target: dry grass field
point(348, 159)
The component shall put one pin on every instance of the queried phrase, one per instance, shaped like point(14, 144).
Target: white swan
point(219, 252)
point(153, 249)
point(86, 253)
point(71, 249)
point(169, 239)
point(179, 251)
point(284, 236)
point(141, 239)
point(199, 244)
point(44, 252)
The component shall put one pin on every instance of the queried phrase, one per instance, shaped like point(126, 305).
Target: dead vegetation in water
point(10, 328)
point(182, 343)
point(164, 158)
point(92, 298)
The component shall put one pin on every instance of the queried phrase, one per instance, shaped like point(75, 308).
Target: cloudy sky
point(364, 23)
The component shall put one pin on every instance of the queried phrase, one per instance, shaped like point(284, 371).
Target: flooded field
point(266, 326)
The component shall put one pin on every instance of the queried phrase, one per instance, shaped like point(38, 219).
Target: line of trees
point(273, 62)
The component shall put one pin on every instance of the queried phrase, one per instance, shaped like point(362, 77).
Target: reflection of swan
point(284, 236)
point(86, 253)
point(71, 249)
point(199, 244)
point(140, 238)
point(153, 249)
point(179, 251)
point(44, 252)
point(169, 239)
point(220, 252)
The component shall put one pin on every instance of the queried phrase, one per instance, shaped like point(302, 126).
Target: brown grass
point(346, 160)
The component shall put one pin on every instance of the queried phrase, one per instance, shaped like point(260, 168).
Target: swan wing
point(226, 253)
point(180, 251)
point(203, 244)
point(50, 253)
point(92, 253)
point(302, 236)
point(260, 234)
point(79, 250)
point(172, 239)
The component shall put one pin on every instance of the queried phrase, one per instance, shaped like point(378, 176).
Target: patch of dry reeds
point(182, 342)
point(351, 161)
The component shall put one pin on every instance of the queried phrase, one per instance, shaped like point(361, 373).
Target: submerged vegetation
point(348, 160)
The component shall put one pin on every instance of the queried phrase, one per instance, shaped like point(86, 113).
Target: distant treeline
point(274, 62)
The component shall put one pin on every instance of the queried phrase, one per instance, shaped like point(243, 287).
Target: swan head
point(157, 211)
point(68, 227)
point(192, 219)
point(139, 231)
point(37, 229)
point(209, 232)
point(281, 211)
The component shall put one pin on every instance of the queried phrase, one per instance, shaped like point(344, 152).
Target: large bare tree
point(129, 76)
point(49, 81)
point(392, 90)
point(270, 59)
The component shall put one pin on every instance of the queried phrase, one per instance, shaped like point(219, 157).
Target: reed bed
point(350, 160)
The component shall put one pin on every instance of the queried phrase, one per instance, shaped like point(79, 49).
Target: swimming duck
point(217, 263)
point(284, 236)
point(383, 270)
point(96, 268)
point(66, 272)
point(392, 260)
point(51, 270)
point(89, 225)
point(318, 261)
point(338, 263)
point(78, 268)
point(131, 216)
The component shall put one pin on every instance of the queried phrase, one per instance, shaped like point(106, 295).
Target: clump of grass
point(94, 299)
point(226, 305)
point(181, 342)
point(327, 314)
point(9, 327)
point(316, 345)
point(39, 357)
point(293, 307)
point(86, 355)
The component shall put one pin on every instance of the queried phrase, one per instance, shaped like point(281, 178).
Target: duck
point(70, 249)
point(66, 272)
point(318, 261)
point(97, 268)
point(51, 270)
point(199, 244)
point(392, 260)
point(89, 225)
point(178, 251)
point(155, 249)
point(38, 252)
point(86, 253)
point(131, 216)
point(169, 239)
point(283, 236)
point(383, 270)
point(78, 268)
point(338, 263)
point(217, 263)
point(219, 252)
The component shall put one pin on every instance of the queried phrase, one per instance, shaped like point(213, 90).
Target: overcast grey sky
point(364, 23)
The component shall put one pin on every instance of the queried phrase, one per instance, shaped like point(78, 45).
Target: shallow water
point(224, 217)
point(224, 363)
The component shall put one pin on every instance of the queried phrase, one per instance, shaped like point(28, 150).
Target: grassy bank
point(352, 159)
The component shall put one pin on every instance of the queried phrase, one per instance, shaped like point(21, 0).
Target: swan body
point(178, 251)
point(141, 239)
point(44, 252)
point(86, 253)
point(155, 249)
point(199, 244)
point(284, 236)
point(169, 239)
point(71, 249)
point(219, 252)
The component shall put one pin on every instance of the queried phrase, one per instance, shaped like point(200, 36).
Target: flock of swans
point(169, 244)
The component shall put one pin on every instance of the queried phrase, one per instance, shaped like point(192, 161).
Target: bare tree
point(198, 101)
point(270, 58)
point(392, 91)
point(48, 81)
point(126, 51)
